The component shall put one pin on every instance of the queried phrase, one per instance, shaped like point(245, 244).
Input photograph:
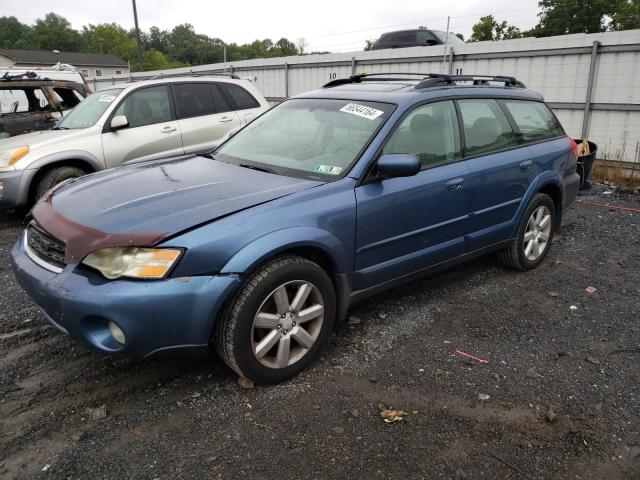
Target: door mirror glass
point(398, 165)
point(118, 122)
point(430, 42)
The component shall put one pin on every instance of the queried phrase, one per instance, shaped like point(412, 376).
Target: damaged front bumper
point(171, 315)
point(10, 193)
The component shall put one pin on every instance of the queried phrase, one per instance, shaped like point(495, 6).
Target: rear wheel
point(278, 321)
point(535, 234)
point(56, 176)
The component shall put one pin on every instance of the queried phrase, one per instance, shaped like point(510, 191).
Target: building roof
point(46, 57)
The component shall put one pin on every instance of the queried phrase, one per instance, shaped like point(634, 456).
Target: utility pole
point(135, 19)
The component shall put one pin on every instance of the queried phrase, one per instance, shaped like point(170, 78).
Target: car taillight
point(574, 146)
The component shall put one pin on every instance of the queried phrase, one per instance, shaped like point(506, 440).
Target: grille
point(47, 248)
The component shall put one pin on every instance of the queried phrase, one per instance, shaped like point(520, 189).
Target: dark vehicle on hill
point(415, 38)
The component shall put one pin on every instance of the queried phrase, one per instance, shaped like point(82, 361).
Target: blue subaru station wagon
point(259, 247)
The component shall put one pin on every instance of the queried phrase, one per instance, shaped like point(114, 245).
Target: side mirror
point(398, 165)
point(431, 42)
point(118, 122)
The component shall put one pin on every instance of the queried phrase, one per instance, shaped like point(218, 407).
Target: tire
point(55, 176)
point(519, 256)
point(245, 340)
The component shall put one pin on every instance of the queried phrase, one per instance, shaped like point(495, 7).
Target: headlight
point(9, 157)
point(133, 262)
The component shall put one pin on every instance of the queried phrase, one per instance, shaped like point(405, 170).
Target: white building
point(89, 64)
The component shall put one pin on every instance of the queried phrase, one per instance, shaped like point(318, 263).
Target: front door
point(153, 131)
point(407, 224)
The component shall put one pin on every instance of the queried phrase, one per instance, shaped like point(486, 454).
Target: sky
point(327, 25)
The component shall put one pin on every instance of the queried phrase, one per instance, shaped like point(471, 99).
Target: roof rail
point(191, 74)
point(485, 79)
point(387, 77)
point(20, 76)
point(428, 80)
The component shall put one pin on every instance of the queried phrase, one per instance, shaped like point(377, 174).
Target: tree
point(54, 33)
point(561, 17)
point(12, 33)
point(627, 16)
point(488, 28)
point(369, 45)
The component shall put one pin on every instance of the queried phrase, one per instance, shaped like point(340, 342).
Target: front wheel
point(535, 235)
point(56, 176)
point(278, 321)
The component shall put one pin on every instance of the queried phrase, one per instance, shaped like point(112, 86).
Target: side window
point(23, 100)
point(219, 102)
point(534, 120)
point(146, 106)
point(66, 97)
point(429, 132)
point(406, 37)
point(423, 36)
point(239, 97)
point(193, 100)
point(486, 128)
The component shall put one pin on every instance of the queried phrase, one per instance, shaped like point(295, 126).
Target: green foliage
point(627, 16)
point(369, 45)
point(560, 17)
point(180, 47)
point(488, 28)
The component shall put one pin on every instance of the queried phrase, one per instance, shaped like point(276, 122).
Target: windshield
point(308, 138)
point(88, 111)
point(451, 38)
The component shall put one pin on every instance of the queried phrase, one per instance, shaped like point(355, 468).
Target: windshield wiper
point(260, 169)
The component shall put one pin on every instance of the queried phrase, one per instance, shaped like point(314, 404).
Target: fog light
point(116, 333)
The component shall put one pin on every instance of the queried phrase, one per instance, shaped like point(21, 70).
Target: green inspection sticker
point(328, 169)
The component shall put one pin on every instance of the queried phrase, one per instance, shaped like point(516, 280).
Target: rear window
point(239, 97)
point(193, 100)
point(534, 120)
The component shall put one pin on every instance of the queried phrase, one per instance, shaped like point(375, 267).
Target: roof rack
point(191, 74)
point(428, 80)
point(485, 79)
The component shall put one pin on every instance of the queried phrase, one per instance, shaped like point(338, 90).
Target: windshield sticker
point(107, 98)
point(361, 111)
point(328, 169)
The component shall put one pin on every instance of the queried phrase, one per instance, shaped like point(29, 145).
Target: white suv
point(129, 122)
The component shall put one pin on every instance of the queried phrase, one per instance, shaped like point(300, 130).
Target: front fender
point(267, 246)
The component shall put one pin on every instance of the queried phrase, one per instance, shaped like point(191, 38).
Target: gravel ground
point(557, 400)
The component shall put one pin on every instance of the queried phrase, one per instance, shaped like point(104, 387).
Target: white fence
point(591, 81)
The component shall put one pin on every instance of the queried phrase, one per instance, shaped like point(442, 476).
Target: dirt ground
point(184, 418)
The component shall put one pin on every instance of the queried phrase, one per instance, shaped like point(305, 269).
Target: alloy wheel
point(287, 324)
point(537, 233)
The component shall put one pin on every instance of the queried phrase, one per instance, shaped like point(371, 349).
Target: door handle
point(168, 129)
point(226, 119)
point(455, 184)
point(526, 165)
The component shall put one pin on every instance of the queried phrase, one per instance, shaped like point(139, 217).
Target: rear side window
point(534, 120)
point(219, 102)
point(429, 132)
point(486, 128)
point(193, 100)
point(239, 97)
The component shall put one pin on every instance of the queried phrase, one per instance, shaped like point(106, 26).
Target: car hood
point(43, 138)
point(168, 196)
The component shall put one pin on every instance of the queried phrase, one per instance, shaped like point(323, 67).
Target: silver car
point(129, 122)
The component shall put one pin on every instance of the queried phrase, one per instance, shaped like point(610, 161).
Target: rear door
point(245, 104)
point(204, 115)
point(153, 131)
point(500, 171)
point(407, 224)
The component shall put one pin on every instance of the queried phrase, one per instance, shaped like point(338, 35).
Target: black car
point(415, 38)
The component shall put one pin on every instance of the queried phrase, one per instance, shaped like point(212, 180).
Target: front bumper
point(10, 195)
point(176, 314)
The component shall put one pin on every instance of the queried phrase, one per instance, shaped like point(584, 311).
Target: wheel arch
point(41, 167)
